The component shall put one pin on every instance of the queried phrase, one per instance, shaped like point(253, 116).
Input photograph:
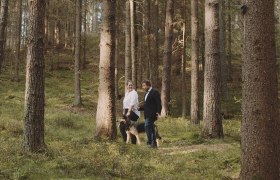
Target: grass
point(72, 152)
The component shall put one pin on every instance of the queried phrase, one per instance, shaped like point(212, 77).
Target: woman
point(130, 108)
point(130, 103)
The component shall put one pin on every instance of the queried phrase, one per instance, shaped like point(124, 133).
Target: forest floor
point(73, 153)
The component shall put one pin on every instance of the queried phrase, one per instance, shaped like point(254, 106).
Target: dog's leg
point(157, 136)
point(127, 137)
point(138, 139)
point(157, 140)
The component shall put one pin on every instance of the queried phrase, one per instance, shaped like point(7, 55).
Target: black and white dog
point(132, 128)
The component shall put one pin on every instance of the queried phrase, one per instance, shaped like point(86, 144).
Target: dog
point(132, 128)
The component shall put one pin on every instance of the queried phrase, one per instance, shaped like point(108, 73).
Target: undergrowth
point(73, 153)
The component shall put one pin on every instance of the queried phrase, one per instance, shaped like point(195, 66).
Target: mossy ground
point(72, 152)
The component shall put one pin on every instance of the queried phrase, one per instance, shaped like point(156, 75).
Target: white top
point(131, 99)
point(148, 93)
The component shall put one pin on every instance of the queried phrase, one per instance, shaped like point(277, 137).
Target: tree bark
point(18, 40)
point(166, 73)
point(213, 127)
point(222, 37)
point(3, 24)
point(83, 63)
point(260, 112)
point(156, 80)
point(194, 63)
point(116, 51)
point(94, 18)
point(106, 115)
point(116, 68)
point(183, 75)
point(128, 72)
point(35, 80)
point(148, 30)
point(133, 49)
point(140, 46)
point(46, 24)
point(77, 85)
point(229, 56)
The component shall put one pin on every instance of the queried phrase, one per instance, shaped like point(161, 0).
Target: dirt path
point(194, 148)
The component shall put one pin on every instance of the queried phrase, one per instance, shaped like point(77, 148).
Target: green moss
point(72, 152)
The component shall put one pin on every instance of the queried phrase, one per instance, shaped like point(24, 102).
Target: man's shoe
point(153, 146)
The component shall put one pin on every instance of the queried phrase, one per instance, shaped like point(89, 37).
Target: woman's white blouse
point(131, 99)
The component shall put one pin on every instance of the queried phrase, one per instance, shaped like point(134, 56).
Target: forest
point(64, 72)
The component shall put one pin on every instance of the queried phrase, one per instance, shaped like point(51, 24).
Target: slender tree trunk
point(18, 38)
point(148, 30)
point(94, 18)
point(116, 50)
point(183, 91)
point(260, 112)
point(3, 24)
point(35, 80)
point(133, 50)
point(156, 80)
point(83, 64)
point(128, 72)
point(222, 38)
point(106, 115)
point(140, 46)
point(78, 99)
point(194, 63)
point(212, 76)
point(57, 29)
point(46, 23)
point(166, 73)
point(57, 36)
point(229, 41)
point(116, 68)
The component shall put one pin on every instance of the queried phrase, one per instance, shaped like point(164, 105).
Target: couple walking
point(151, 107)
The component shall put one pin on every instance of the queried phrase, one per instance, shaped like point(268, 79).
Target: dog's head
point(124, 121)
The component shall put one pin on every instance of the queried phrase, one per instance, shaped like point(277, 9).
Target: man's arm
point(141, 106)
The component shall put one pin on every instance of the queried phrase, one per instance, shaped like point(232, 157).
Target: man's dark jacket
point(152, 105)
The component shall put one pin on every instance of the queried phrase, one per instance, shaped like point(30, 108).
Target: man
point(152, 109)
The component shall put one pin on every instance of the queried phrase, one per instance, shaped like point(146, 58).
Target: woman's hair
point(147, 82)
point(129, 81)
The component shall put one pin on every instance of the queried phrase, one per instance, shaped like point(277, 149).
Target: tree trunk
point(155, 77)
point(133, 54)
point(140, 46)
point(229, 42)
point(194, 63)
point(57, 29)
point(116, 51)
point(18, 38)
point(166, 73)
point(83, 63)
point(222, 35)
point(128, 72)
point(212, 76)
point(116, 68)
point(46, 24)
point(183, 75)
point(78, 99)
point(3, 24)
point(106, 115)
point(35, 80)
point(94, 18)
point(260, 116)
point(148, 30)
